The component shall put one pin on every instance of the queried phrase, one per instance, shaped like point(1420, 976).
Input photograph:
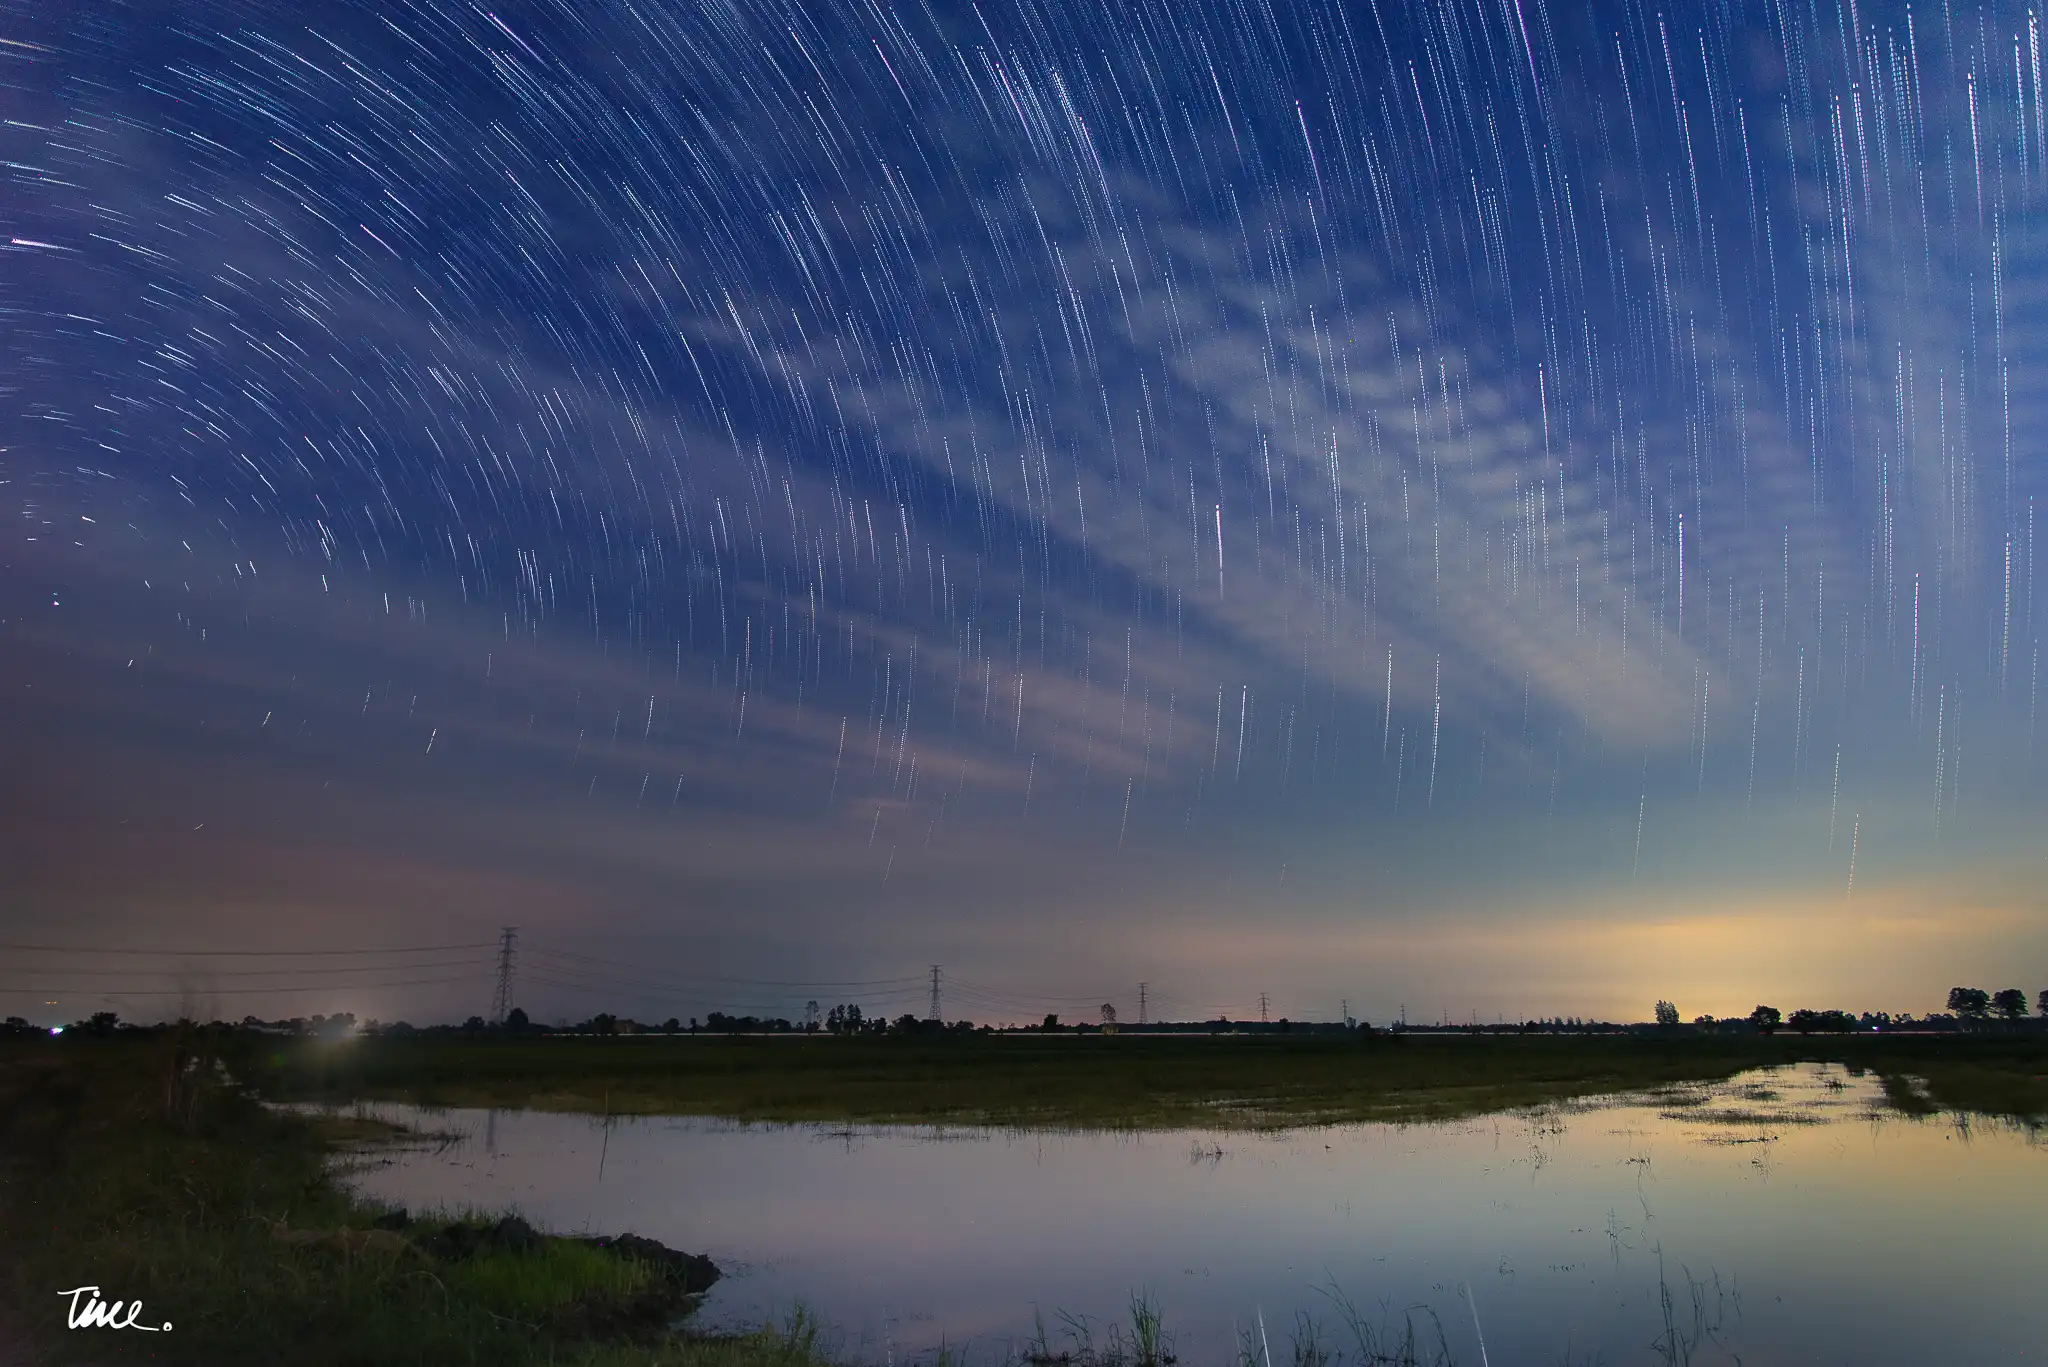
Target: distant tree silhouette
point(515, 1019)
point(1832, 1022)
point(2042, 1004)
point(1052, 1022)
point(2010, 1004)
point(1766, 1019)
point(1973, 1004)
point(1667, 1014)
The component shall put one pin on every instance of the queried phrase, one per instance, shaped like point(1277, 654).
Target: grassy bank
point(121, 1171)
point(1125, 1081)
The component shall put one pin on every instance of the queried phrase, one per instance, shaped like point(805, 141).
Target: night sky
point(1491, 507)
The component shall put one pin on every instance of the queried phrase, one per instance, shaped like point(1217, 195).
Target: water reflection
point(1780, 1217)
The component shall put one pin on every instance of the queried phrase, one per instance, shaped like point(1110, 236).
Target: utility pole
point(935, 993)
point(501, 1000)
point(1262, 1008)
point(1141, 1004)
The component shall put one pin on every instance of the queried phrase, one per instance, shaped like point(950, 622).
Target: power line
point(645, 990)
point(1094, 999)
point(145, 971)
point(246, 991)
point(996, 999)
point(567, 970)
point(672, 986)
point(738, 982)
point(245, 953)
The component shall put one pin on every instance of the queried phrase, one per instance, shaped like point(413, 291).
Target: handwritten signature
point(98, 1314)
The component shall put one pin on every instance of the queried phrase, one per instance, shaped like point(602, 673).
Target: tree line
point(1969, 1008)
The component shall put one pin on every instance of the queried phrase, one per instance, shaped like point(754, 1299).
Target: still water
point(1782, 1217)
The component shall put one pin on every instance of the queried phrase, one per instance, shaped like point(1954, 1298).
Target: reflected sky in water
point(1803, 1225)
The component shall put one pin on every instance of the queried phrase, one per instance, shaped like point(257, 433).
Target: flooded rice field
point(1784, 1216)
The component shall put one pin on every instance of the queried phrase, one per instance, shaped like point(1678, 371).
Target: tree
point(1804, 1020)
point(2042, 1004)
point(1667, 1014)
point(515, 1019)
point(1766, 1018)
point(1052, 1023)
point(2010, 1004)
point(1973, 1004)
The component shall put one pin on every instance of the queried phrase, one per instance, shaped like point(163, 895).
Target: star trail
point(1506, 505)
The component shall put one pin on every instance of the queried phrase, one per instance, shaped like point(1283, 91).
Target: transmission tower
point(1141, 1004)
point(501, 1000)
point(1262, 1008)
point(935, 994)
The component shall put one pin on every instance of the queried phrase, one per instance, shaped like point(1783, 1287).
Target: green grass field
point(113, 1173)
point(1123, 1081)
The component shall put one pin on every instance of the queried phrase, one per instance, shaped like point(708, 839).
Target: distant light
point(56, 1029)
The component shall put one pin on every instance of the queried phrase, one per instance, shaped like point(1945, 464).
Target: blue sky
point(1512, 510)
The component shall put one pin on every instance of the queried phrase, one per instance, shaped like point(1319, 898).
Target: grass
point(1121, 1083)
point(2010, 1083)
point(121, 1169)
point(1416, 1340)
point(1146, 1345)
point(1126, 1082)
point(132, 1163)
